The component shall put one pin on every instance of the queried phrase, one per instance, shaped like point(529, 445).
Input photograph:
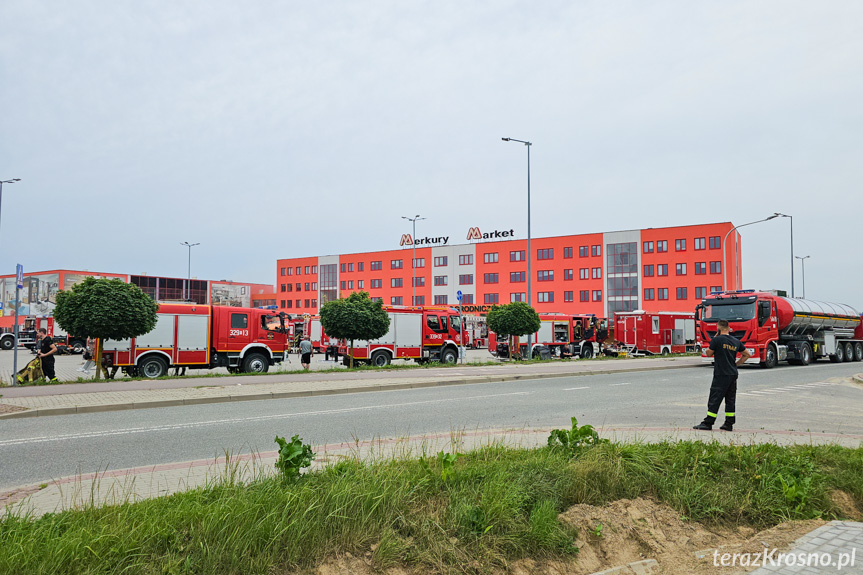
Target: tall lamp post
point(792, 248)
point(803, 269)
point(413, 220)
point(529, 299)
point(17, 295)
point(189, 275)
point(725, 240)
point(12, 181)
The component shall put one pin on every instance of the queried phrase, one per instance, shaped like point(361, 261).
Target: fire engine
point(311, 325)
point(655, 333)
point(775, 328)
point(475, 331)
point(419, 333)
point(27, 335)
point(202, 337)
point(563, 335)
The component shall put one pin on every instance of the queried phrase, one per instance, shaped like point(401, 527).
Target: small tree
point(513, 319)
point(355, 317)
point(105, 309)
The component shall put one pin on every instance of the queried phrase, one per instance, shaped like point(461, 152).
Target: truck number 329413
point(234, 332)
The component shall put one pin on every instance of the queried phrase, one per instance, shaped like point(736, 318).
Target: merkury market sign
point(472, 234)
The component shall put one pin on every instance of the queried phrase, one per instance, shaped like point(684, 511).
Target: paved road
point(817, 398)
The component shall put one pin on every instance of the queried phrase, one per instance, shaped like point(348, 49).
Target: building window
point(648, 247)
point(343, 285)
point(490, 298)
point(545, 297)
point(567, 274)
point(597, 273)
point(419, 300)
point(360, 284)
point(490, 278)
point(716, 267)
point(283, 273)
point(662, 293)
point(440, 261)
point(700, 243)
point(584, 295)
point(375, 266)
point(380, 299)
point(715, 289)
point(308, 287)
point(307, 273)
point(419, 281)
point(648, 294)
point(596, 251)
point(396, 264)
point(681, 293)
point(359, 266)
point(583, 273)
point(467, 298)
point(545, 254)
point(375, 284)
point(299, 287)
point(284, 288)
point(680, 245)
point(307, 303)
point(662, 269)
point(315, 269)
point(516, 256)
point(350, 285)
point(396, 300)
point(680, 269)
point(490, 258)
point(583, 251)
point(514, 297)
point(440, 300)
point(567, 296)
point(700, 292)
point(299, 272)
point(343, 268)
point(661, 246)
point(597, 295)
point(516, 277)
point(465, 260)
point(700, 268)
point(315, 285)
point(395, 282)
point(419, 263)
point(299, 303)
point(314, 301)
point(440, 280)
point(648, 271)
point(567, 253)
point(545, 275)
point(465, 280)
point(290, 271)
point(289, 304)
point(715, 242)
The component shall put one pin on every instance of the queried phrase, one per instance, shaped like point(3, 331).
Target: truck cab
point(247, 339)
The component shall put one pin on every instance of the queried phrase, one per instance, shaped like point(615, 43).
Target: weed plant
point(451, 513)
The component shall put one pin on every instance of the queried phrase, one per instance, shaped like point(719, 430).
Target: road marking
point(574, 388)
point(133, 430)
point(613, 384)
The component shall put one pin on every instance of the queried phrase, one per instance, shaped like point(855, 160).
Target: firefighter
point(47, 348)
point(723, 349)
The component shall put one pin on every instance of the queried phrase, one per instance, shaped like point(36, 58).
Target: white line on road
point(613, 384)
point(131, 430)
point(574, 388)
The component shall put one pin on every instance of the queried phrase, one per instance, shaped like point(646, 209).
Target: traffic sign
point(19, 276)
point(458, 295)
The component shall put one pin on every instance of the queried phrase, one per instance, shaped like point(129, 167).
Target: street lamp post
point(12, 181)
point(413, 220)
point(737, 266)
point(803, 269)
point(529, 299)
point(189, 275)
point(792, 248)
point(17, 295)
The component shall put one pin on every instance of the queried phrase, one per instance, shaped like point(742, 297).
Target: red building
point(655, 269)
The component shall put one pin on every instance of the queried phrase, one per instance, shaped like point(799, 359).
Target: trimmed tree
point(513, 319)
point(355, 317)
point(105, 309)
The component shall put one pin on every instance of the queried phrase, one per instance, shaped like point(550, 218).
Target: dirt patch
point(848, 508)
point(6, 408)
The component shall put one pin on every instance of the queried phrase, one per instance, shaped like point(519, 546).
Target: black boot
point(727, 426)
point(703, 426)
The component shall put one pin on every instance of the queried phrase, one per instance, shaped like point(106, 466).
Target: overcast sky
point(281, 129)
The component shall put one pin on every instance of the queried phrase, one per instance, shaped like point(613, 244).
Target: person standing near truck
point(723, 349)
point(306, 353)
point(47, 348)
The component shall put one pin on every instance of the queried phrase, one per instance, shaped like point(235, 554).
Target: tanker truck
point(775, 328)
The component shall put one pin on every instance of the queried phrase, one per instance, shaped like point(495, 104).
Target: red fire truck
point(202, 337)
point(655, 333)
point(775, 328)
point(564, 335)
point(27, 335)
point(419, 333)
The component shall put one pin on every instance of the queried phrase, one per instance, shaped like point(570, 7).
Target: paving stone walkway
point(832, 548)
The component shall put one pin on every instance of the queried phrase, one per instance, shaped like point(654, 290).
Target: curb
point(857, 377)
point(319, 392)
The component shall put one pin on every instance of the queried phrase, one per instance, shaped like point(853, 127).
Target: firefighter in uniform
point(723, 349)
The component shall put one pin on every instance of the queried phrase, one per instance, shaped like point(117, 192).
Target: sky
point(268, 130)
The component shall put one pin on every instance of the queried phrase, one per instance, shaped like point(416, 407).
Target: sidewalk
point(111, 395)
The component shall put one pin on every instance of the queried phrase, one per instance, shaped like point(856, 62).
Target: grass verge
point(472, 512)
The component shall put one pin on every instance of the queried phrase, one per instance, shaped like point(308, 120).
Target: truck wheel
point(153, 367)
point(6, 343)
point(849, 351)
point(770, 358)
point(858, 351)
point(78, 346)
point(255, 363)
point(665, 352)
point(380, 359)
point(805, 355)
point(839, 356)
point(586, 351)
point(448, 356)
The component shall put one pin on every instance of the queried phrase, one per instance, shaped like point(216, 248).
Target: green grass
point(495, 505)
